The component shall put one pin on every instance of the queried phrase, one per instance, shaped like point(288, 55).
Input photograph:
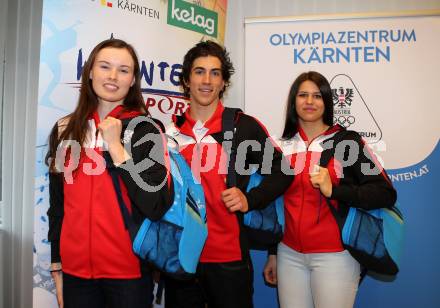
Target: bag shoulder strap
point(228, 129)
point(325, 158)
point(328, 153)
point(128, 220)
point(111, 168)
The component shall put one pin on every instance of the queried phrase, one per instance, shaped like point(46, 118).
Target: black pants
point(220, 285)
point(107, 293)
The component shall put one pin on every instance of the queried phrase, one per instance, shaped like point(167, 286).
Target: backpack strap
point(111, 168)
point(126, 216)
point(326, 156)
point(228, 129)
point(324, 160)
point(328, 153)
point(180, 119)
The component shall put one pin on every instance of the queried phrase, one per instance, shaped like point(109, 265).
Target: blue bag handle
point(186, 174)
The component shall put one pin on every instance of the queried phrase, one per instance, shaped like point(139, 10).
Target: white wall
point(238, 10)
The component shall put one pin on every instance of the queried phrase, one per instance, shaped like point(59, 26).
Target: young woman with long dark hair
point(93, 264)
point(311, 268)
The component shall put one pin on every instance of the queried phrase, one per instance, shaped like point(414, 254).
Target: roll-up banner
point(384, 74)
point(161, 32)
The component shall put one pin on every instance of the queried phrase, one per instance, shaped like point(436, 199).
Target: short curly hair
point(204, 49)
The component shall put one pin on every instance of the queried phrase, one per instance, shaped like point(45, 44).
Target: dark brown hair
point(204, 49)
point(76, 122)
point(291, 121)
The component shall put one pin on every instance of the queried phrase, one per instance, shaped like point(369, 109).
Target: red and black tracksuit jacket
point(201, 146)
point(86, 228)
point(310, 225)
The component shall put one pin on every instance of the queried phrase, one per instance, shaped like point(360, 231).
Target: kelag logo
point(192, 17)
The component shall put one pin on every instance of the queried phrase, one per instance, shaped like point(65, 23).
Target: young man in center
point(224, 276)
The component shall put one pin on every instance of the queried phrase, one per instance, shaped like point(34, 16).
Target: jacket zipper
point(320, 195)
point(91, 211)
point(308, 158)
point(90, 227)
point(302, 195)
point(319, 209)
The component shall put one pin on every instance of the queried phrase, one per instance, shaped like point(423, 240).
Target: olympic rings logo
point(344, 121)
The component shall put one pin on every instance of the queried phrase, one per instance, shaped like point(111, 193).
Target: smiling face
point(309, 104)
point(205, 81)
point(112, 75)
